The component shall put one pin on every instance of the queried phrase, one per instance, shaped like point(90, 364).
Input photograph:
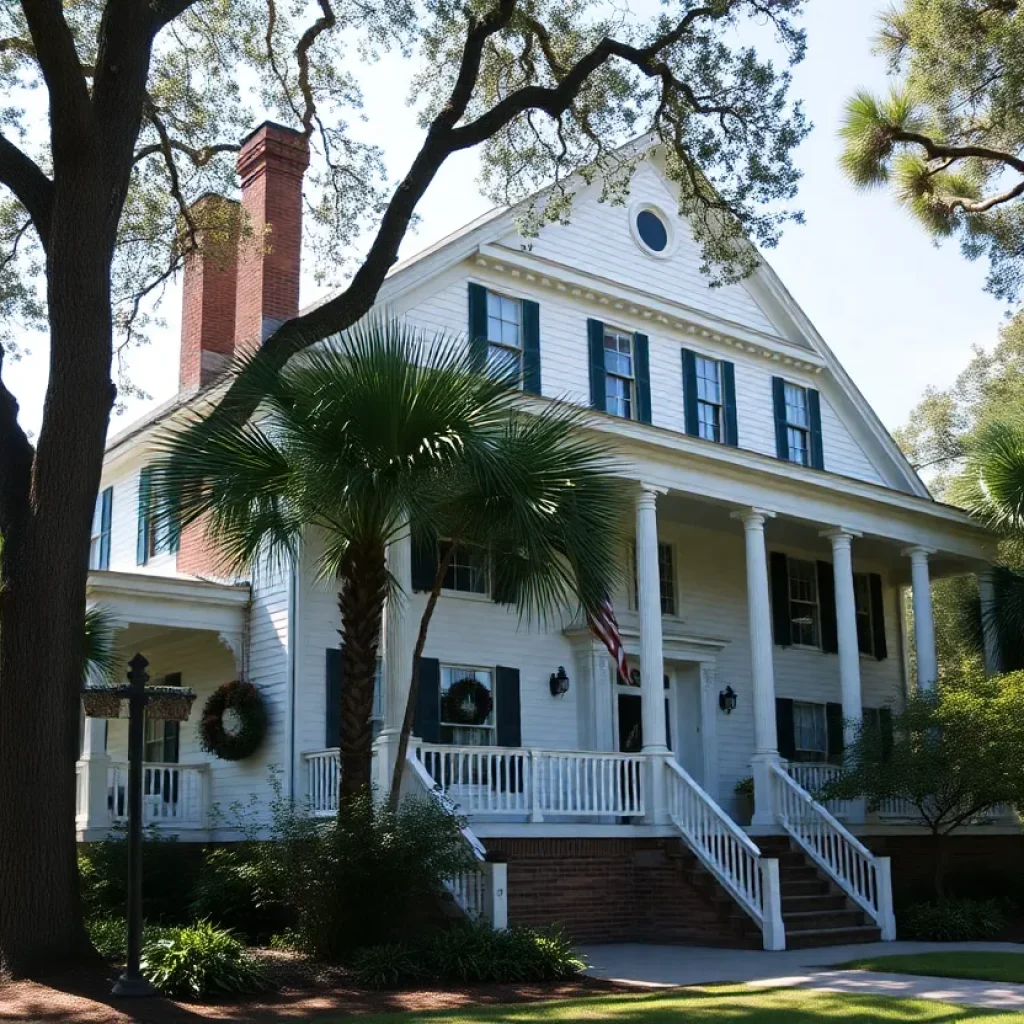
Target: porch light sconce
point(727, 700)
point(559, 683)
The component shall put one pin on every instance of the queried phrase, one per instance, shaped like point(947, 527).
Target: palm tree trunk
point(361, 601)
point(414, 680)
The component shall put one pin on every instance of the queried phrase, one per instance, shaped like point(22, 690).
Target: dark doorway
point(631, 731)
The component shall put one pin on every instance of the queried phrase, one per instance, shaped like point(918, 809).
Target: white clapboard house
point(777, 526)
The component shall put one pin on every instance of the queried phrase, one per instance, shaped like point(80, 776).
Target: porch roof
point(169, 600)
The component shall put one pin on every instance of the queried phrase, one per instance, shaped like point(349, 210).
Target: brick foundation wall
point(976, 865)
point(611, 890)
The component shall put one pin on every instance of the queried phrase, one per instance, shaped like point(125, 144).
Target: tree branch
point(33, 189)
point(15, 461)
point(940, 151)
point(326, 21)
point(199, 155)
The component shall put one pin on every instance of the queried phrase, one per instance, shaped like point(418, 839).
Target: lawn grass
point(974, 965)
point(733, 1004)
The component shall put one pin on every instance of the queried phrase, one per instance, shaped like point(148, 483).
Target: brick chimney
point(208, 293)
point(271, 164)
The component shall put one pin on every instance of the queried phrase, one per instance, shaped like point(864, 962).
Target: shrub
point(168, 875)
point(369, 877)
point(232, 891)
point(469, 954)
point(110, 936)
point(201, 960)
point(952, 920)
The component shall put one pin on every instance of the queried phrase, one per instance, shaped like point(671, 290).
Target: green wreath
point(467, 702)
point(246, 702)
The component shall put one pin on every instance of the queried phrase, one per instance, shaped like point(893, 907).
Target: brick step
point(809, 920)
point(815, 937)
point(813, 901)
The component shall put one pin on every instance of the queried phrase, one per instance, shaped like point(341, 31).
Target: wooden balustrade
point(172, 794)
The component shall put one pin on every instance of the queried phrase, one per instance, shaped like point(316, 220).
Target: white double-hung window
point(798, 425)
point(804, 613)
point(709, 398)
point(619, 374)
point(504, 334)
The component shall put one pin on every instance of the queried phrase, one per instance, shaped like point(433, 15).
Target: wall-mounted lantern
point(727, 700)
point(559, 682)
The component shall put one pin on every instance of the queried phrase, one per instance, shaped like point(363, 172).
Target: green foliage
point(110, 936)
point(201, 960)
point(232, 890)
point(948, 136)
point(953, 753)
point(952, 920)
point(168, 873)
point(99, 653)
point(367, 877)
point(470, 954)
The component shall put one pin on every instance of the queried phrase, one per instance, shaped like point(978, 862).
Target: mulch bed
point(306, 991)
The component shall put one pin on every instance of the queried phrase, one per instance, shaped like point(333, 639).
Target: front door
point(630, 716)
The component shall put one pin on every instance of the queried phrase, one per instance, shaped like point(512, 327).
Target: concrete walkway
point(664, 966)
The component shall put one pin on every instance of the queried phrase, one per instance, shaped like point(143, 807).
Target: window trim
point(634, 596)
point(471, 595)
point(492, 671)
point(868, 612)
point(520, 349)
point(640, 206)
point(719, 406)
point(631, 380)
point(823, 707)
point(804, 430)
point(790, 559)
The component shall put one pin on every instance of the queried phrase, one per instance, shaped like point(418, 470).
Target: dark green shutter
point(508, 716)
point(424, 562)
point(881, 650)
point(690, 421)
point(834, 725)
point(142, 538)
point(827, 607)
point(172, 730)
point(478, 325)
point(784, 728)
point(427, 725)
point(335, 680)
point(781, 624)
point(642, 368)
point(531, 347)
point(106, 513)
point(732, 434)
point(595, 343)
point(814, 418)
point(885, 724)
point(779, 405)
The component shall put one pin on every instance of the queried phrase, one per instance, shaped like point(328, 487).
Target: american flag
point(606, 629)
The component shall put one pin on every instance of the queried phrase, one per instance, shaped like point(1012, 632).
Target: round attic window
point(652, 231)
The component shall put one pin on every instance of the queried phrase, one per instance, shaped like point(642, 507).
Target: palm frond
point(99, 656)
point(992, 485)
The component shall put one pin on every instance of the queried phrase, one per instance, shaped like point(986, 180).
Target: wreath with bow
point(467, 702)
point(247, 717)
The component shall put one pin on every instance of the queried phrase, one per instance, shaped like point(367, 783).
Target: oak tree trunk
point(42, 592)
point(361, 601)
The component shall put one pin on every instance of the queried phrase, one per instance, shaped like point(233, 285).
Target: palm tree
point(356, 439)
point(992, 489)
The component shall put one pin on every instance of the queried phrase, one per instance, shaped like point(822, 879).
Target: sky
point(899, 313)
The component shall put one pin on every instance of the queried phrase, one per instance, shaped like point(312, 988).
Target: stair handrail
point(728, 853)
point(865, 878)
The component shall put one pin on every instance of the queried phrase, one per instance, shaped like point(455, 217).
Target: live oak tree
point(948, 138)
point(146, 103)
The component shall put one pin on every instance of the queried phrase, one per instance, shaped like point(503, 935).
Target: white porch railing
point(728, 853)
point(815, 777)
point(864, 877)
point(171, 794)
point(323, 775)
point(537, 783)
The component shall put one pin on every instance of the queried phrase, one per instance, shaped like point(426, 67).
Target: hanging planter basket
point(169, 703)
point(102, 701)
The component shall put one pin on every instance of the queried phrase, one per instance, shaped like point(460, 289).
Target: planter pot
point(744, 808)
point(101, 702)
point(170, 704)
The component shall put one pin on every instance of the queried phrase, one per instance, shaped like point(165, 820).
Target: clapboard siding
point(442, 306)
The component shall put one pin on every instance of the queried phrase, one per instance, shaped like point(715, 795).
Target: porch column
point(399, 642)
point(91, 811)
point(990, 635)
point(762, 670)
point(924, 625)
point(652, 663)
point(846, 630)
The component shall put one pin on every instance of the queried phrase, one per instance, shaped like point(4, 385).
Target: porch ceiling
point(167, 601)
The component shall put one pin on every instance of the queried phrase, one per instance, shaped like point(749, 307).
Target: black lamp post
point(169, 703)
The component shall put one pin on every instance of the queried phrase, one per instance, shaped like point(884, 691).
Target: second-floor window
point(709, 398)
point(156, 533)
point(469, 570)
point(666, 578)
point(504, 334)
point(99, 538)
point(620, 399)
point(798, 425)
point(804, 613)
